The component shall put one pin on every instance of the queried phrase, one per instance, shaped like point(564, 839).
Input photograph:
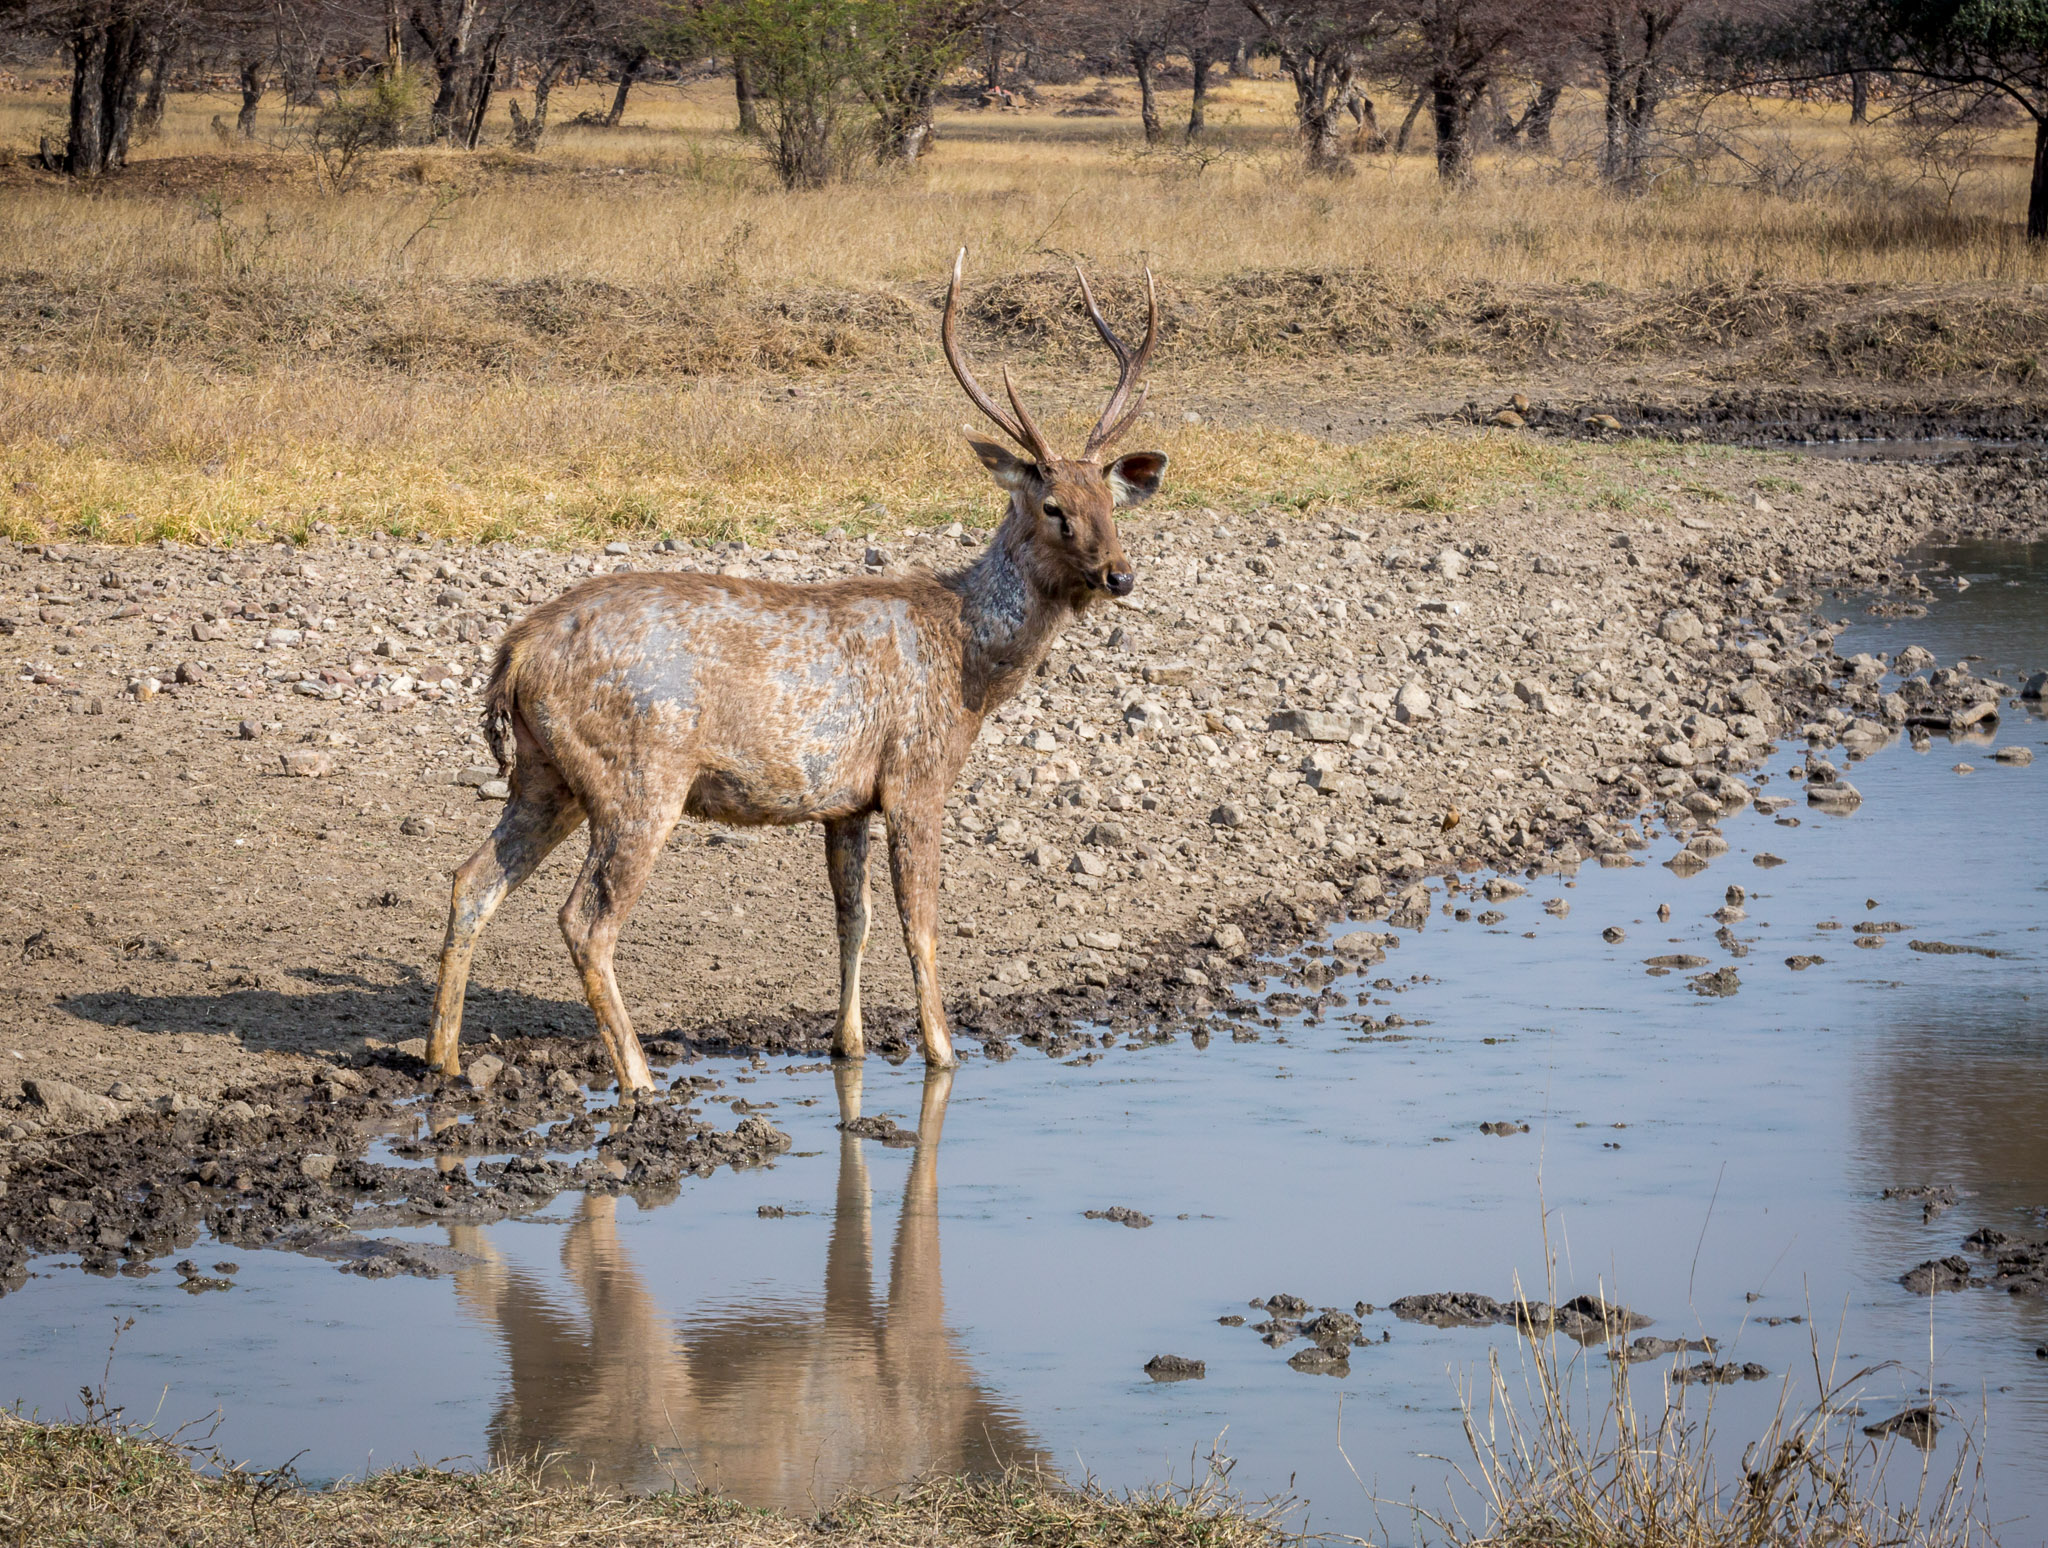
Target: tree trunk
point(1198, 106)
point(628, 73)
point(1859, 97)
point(2037, 197)
point(149, 118)
point(106, 72)
point(485, 77)
point(1148, 100)
point(1614, 76)
point(252, 97)
point(1536, 122)
point(992, 63)
point(743, 97)
point(1408, 123)
point(528, 134)
point(1448, 111)
point(1240, 61)
point(394, 39)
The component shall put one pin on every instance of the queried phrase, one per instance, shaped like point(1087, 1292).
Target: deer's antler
point(1021, 429)
point(1116, 417)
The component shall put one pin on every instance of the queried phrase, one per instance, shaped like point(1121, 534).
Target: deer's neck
point(1010, 616)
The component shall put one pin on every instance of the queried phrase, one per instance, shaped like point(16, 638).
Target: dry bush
point(1564, 1457)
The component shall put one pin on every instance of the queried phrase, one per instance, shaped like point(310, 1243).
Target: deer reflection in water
point(776, 1404)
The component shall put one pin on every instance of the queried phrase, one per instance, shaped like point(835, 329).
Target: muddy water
point(1712, 1162)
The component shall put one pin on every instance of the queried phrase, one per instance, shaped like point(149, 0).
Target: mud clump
point(1950, 1273)
point(283, 1166)
point(1718, 1374)
point(1918, 1425)
point(1171, 1367)
point(1935, 1199)
point(883, 1128)
point(1121, 1214)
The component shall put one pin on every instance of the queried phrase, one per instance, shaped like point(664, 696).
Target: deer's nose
point(1120, 582)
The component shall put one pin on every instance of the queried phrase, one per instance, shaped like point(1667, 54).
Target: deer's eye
point(1052, 509)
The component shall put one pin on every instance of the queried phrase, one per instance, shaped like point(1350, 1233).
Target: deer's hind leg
point(624, 846)
point(846, 859)
point(542, 812)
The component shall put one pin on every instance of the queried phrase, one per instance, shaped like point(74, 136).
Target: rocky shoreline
point(245, 774)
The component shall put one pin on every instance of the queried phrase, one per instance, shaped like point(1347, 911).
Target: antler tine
point(981, 400)
point(1116, 417)
point(1032, 440)
point(1117, 345)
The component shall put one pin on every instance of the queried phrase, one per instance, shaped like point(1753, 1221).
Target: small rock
point(317, 1166)
point(417, 827)
point(483, 1070)
point(2013, 753)
point(1614, 935)
point(1169, 1367)
point(307, 763)
point(65, 1103)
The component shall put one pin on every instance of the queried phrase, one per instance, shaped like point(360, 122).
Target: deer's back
point(778, 703)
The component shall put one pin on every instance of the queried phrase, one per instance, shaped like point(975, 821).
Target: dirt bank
point(241, 778)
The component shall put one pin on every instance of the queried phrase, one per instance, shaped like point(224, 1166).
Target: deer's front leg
point(846, 859)
point(914, 865)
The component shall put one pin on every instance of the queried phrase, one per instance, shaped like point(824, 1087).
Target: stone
point(1499, 887)
point(307, 763)
point(1614, 935)
point(248, 731)
point(1834, 795)
point(2013, 754)
point(417, 827)
point(64, 1103)
point(1227, 937)
point(1102, 940)
point(317, 1166)
point(1316, 725)
point(1680, 626)
point(1538, 697)
point(494, 790)
point(1168, 1367)
point(1171, 674)
point(2036, 687)
point(1450, 564)
point(1045, 857)
point(1085, 864)
point(1226, 816)
point(483, 1071)
point(1412, 703)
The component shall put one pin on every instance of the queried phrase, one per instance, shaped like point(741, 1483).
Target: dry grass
point(166, 454)
point(102, 1485)
point(674, 200)
point(1557, 1461)
point(597, 341)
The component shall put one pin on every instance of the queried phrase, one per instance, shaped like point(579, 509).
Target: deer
point(639, 697)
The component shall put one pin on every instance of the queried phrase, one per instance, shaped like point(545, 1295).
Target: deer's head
point(1070, 503)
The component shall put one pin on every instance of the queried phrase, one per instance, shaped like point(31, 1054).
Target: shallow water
point(950, 1307)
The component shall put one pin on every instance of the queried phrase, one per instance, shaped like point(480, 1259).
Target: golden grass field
point(606, 337)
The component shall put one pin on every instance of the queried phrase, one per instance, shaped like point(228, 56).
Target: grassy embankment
point(604, 339)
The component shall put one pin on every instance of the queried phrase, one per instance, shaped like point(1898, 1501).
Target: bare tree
point(1454, 51)
point(1320, 44)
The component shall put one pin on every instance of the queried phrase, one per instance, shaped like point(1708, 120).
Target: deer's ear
point(1135, 476)
point(1010, 471)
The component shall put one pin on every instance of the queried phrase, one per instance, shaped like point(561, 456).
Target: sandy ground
point(237, 781)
